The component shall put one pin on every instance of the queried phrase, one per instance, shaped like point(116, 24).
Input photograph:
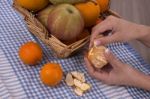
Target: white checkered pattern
point(13, 33)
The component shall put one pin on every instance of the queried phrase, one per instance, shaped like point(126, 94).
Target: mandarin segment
point(96, 56)
point(78, 75)
point(69, 80)
point(78, 91)
point(77, 80)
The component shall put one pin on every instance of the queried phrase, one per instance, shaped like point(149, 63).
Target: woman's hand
point(118, 73)
point(122, 31)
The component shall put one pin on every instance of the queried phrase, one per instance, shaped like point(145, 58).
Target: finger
point(108, 68)
point(105, 40)
point(112, 59)
point(95, 32)
point(101, 75)
point(98, 29)
point(89, 66)
point(99, 36)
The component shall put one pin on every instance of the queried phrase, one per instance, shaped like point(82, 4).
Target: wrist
point(144, 35)
point(143, 82)
point(140, 80)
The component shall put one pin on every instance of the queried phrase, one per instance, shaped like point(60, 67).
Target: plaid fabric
point(9, 83)
point(20, 81)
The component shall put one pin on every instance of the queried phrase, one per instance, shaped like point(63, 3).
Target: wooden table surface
point(137, 11)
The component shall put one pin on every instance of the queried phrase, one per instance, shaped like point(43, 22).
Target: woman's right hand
point(118, 73)
point(122, 31)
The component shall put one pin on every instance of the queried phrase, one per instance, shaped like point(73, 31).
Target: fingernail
point(97, 42)
point(107, 51)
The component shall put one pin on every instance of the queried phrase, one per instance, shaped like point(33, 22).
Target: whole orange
point(33, 5)
point(51, 74)
point(104, 5)
point(30, 53)
point(90, 11)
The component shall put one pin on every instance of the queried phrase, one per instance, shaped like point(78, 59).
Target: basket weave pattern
point(36, 28)
point(60, 49)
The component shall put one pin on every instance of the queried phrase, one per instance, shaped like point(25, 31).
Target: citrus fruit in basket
point(30, 53)
point(104, 5)
point(51, 74)
point(33, 5)
point(90, 11)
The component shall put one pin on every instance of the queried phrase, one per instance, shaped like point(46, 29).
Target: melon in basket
point(66, 1)
point(65, 22)
point(42, 16)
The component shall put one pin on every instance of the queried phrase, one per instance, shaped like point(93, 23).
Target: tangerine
point(90, 11)
point(33, 5)
point(30, 53)
point(51, 74)
point(104, 5)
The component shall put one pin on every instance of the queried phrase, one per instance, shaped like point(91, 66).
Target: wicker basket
point(36, 28)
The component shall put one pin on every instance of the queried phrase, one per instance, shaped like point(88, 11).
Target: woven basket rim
point(39, 30)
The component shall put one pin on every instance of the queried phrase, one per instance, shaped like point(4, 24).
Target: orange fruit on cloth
point(90, 11)
point(51, 74)
point(30, 53)
point(104, 5)
point(33, 5)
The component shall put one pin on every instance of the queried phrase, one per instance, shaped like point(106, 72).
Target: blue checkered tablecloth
point(19, 81)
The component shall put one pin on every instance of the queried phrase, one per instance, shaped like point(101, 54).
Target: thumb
point(112, 59)
point(105, 40)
